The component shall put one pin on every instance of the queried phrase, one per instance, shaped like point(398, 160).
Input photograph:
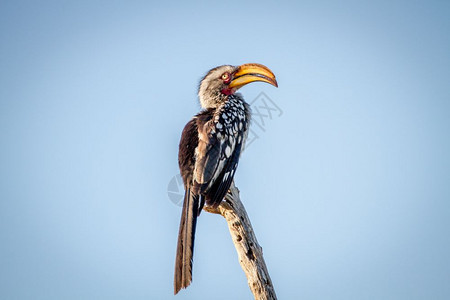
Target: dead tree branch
point(249, 251)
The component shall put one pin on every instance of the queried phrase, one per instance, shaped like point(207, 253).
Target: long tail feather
point(186, 236)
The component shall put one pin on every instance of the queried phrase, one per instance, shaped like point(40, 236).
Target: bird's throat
point(228, 91)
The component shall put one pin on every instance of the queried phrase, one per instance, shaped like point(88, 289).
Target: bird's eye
point(225, 76)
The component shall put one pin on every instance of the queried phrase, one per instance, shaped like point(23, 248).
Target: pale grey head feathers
point(210, 89)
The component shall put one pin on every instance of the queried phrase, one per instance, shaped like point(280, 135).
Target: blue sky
point(348, 190)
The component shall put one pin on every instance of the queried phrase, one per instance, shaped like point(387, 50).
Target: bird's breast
point(232, 117)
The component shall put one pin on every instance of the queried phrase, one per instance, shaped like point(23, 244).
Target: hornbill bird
point(209, 151)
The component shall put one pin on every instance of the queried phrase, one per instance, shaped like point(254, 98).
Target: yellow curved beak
point(252, 72)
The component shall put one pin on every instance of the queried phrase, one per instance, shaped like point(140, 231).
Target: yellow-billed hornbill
point(209, 151)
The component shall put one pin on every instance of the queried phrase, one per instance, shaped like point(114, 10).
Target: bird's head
point(223, 81)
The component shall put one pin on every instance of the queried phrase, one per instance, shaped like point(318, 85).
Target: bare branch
point(249, 251)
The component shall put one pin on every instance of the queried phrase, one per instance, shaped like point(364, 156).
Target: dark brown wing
point(188, 143)
point(186, 152)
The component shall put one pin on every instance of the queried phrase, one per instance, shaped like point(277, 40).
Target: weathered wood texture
point(249, 251)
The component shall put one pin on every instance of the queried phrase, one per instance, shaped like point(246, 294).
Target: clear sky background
point(348, 190)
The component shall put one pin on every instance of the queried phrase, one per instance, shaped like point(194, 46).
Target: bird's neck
point(218, 99)
point(212, 100)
